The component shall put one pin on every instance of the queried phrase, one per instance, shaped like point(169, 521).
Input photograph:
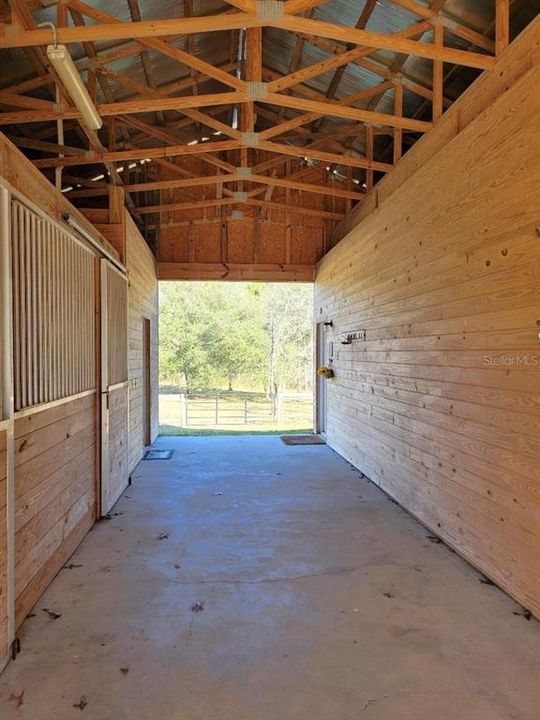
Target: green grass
point(172, 430)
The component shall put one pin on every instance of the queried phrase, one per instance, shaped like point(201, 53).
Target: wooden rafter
point(454, 27)
point(208, 147)
point(160, 209)
point(116, 30)
point(128, 107)
point(147, 117)
point(216, 179)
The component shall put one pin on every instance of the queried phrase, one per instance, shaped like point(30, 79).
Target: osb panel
point(174, 243)
point(271, 242)
point(306, 245)
point(240, 237)
point(205, 240)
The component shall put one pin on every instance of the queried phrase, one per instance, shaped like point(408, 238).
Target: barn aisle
point(247, 580)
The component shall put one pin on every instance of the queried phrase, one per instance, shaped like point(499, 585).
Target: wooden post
point(369, 155)
point(398, 132)
point(502, 25)
point(438, 33)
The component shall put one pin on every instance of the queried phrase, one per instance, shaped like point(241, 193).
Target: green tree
point(235, 341)
point(182, 323)
point(210, 332)
point(290, 329)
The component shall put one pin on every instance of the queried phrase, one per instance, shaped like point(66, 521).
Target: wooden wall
point(55, 492)
point(265, 243)
point(440, 405)
point(56, 439)
point(142, 303)
point(3, 549)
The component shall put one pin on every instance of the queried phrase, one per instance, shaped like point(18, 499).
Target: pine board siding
point(142, 304)
point(440, 405)
point(55, 492)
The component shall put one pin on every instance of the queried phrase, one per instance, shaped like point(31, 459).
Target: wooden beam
point(41, 145)
point(135, 14)
point(164, 47)
point(194, 101)
point(383, 42)
point(128, 107)
point(252, 73)
point(235, 271)
point(326, 157)
point(361, 24)
point(338, 60)
point(369, 152)
point(294, 209)
point(350, 113)
point(141, 154)
point(266, 180)
point(13, 37)
point(502, 25)
point(305, 118)
point(454, 27)
point(398, 132)
point(438, 78)
point(146, 92)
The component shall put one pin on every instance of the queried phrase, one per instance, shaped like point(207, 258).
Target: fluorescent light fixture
point(69, 75)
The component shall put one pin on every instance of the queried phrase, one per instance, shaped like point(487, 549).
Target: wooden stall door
point(114, 385)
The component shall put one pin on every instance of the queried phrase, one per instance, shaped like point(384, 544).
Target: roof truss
point(190, 137)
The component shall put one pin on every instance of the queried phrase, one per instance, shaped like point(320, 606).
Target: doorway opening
point(323, 354)
point(147, 380)
point(235, 358)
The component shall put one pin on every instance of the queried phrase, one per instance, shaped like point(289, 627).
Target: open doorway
point(147, 380)
point(322, 358)
point(236, 357)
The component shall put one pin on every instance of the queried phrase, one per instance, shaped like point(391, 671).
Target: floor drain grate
point(157, 455)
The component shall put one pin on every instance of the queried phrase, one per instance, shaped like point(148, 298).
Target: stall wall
point(3, 549)
point(440, 403)
point(142, 305)
point(55, 493)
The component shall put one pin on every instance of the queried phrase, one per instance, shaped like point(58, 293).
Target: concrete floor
point(322, 600)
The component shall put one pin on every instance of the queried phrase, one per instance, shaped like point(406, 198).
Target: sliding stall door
point(114, 385)
point(54, 396)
